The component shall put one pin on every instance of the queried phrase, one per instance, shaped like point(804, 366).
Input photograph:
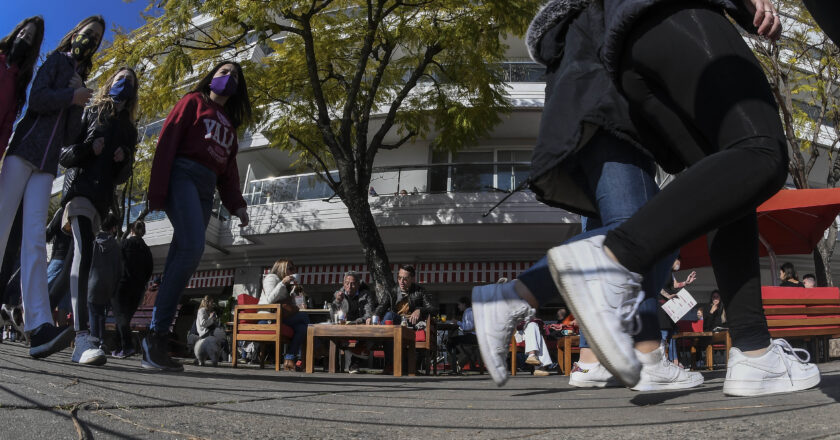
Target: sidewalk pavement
point(56, 399)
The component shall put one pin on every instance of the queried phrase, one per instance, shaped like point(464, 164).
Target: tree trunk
point(374, 248)
point(824, 252)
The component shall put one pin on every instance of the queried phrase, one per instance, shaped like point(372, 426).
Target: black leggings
point(827, 14)
point(83, 256)
point(689, 74)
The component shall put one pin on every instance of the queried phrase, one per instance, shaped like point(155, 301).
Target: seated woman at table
point(787, 276)
point(278, 287)
point(714, 315)
point(464, 347)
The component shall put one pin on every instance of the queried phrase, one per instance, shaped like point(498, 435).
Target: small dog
point(13, 316)
point(209, 348)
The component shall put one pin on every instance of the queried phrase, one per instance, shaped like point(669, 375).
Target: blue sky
point(62, 15)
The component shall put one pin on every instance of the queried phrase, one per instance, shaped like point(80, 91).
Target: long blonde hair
point(103, 101)
point(280, 268)
point(207, 303)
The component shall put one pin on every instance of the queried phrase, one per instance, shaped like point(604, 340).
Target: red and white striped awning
point(427, 273)
point(209, 278)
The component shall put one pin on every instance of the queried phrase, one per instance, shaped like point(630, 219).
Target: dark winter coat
point(61, 242)
point(418, 298)
point(622, 16)
point(105, 269)
point(51, 120)
point(580, 99)
point(95, 176)
point(359, 307)
point(138, 264)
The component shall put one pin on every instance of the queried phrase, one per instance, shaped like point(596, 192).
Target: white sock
point(757, 355)
point(588, 365)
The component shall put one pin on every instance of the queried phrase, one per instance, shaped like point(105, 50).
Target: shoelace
point(789, 352)
point(629, 313)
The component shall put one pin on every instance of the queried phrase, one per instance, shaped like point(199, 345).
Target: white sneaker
point(592, 376)
point(497, 308)
point(604, 297)
point(658, 373)
point(780, 370)
point(87, 351)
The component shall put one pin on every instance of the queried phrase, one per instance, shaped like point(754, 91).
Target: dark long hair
point(238, 106)
point(28, 65)
point(66, 42)
point(788, 272)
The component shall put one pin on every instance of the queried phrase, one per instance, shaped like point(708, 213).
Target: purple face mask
point(223, 85)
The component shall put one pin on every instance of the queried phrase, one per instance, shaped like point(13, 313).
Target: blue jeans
point(188, 205)
point(53, 271)
point(298, 322)
point(619, 179)
point(672, 344)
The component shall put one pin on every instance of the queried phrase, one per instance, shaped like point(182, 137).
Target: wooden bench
point(810, 315)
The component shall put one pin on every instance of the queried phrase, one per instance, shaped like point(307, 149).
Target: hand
point(766, 19)
point(242, 213)
point(287, 279)
point(573, 323)
point(339, 295)
point(119, 154)
point(98, 145)
point(81, 96)
point(367, 321)
point(76, 82)
point(414, 317)
point(691, 277)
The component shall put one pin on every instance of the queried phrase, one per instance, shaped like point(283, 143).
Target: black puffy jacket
point(95, 176)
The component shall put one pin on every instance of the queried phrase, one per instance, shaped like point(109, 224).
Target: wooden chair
point(426, 340)
point(246, 327)
point(565, 347)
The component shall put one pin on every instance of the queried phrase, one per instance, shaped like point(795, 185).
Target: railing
point(218, 211)
point(525, 71)
point(395, 180)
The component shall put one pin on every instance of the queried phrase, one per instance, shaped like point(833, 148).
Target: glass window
point(313, 187)
point(512, 168)
point(475, 174)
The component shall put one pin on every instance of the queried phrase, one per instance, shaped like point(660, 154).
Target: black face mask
point(20, 48)
point(82, 47)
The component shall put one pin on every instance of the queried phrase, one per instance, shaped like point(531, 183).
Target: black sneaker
point(155, 354)
point(48, 339)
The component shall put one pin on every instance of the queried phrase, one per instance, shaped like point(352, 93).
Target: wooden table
point(402, 337)
point(711, 338)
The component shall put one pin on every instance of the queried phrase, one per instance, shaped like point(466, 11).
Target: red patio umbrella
point(791, 222)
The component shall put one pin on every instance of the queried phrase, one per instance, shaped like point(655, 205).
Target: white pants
point(20, 180)
point(535, 342)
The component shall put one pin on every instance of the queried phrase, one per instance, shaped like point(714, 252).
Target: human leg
point(719, 117)
point(82, 258)
point(188, 207)
point(299, 323)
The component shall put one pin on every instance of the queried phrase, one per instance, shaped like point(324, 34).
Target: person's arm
point(230, 192)
point(123, 168)
point(46, 96)
point(75, 154)
point(274, 290)
point(202, 320)
point(688, 280)
point(171, 135)
point(467, 324)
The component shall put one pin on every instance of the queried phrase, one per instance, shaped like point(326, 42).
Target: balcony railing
point(407, 179)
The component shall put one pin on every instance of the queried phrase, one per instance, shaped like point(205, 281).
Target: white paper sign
point(679, 305)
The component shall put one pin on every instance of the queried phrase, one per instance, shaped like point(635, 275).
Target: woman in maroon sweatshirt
point(196, 153)
point(18, 53)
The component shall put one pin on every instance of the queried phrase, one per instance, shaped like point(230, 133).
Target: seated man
point(411, 304)
point(535, 347)
point(411, 301)
point(464, 347)
point(353, 303)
